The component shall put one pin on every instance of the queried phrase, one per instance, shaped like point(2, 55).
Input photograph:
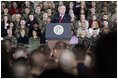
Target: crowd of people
point(25, 50)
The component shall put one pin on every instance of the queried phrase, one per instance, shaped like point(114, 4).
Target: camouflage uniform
point(25, 17)
point(93, 41)
point(83, 39)
point(34, 43)
point(12, 39)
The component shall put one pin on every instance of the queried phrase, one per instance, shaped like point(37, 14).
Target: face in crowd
point(62, 9)
point(31, 17)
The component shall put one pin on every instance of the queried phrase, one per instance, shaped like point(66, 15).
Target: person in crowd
point(26, 14)
point(93, 39)
point(92, 12)
point(37, 62)
point(106, 56)
point(38, 13)
point(6, 13)
point(74, 22)
point(83, 26)
point(17, 18)
point(14, 9)
point(94, 25)
point(61, 16)
point(59, 46)
point(22, 27)
point(3, 5)
point(20, 68)
point(37, 29)
point(6, 51)
point(83, 36)
point(83, 19)
point(30, 5)
point(67, 62)
point(34, 41)
point(30, 23)
point(11, 37)
point(74, 39)
point(19, 52)
point(12, 27)
point(94, 18)
point(105, 29)
point(4, 26)
point(23, 38)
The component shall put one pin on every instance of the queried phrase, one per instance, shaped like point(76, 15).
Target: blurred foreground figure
point(68, 63)
point(106, 55)
point(20, 68)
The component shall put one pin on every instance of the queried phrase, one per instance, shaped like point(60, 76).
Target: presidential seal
point(58, 30)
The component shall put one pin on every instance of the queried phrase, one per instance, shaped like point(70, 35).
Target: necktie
point(60, 19)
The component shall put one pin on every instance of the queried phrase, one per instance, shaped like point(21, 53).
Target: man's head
point(79, 51)
point(93, 3)
point(62, 9)
point(49, 11)
point(45, 16)
point(37, 58)
point(94, 17)
point(9, 32)
point(31, 17)
point(20, 68)
point(35, 25)
point(89, 60)
point(105, 9)
point(22, 22)
point(67, 61)
point(27, 10)
point(71, 5)
point(105, 16)
point(83, 33)
point(5, 18)
point(82, 17)
point(19, 52)
point(92, 10)
point(7, 44)
point(59, 46)
point(15, 4)
point(6, 10)
point(27, 3)
point(18, 16)
point(37, 10)
point(105, 23)
point(83, 25)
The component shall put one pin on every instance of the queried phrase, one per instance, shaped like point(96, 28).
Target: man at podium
point(61, 16)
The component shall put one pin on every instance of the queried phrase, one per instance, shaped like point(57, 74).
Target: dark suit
point(55, 19)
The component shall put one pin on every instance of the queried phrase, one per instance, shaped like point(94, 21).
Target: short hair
point(65, 58)
point(19, 49)
point(21, 62)
point(38, 52)
point(61, 6)
point(60, 45)
point(44, 49)
point(79, 51)
point(93, 58)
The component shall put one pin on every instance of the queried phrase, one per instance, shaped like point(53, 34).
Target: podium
point(56, 32)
